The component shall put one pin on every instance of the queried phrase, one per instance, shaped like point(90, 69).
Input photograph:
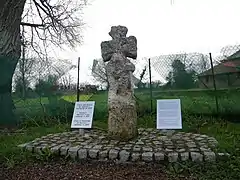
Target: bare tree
point(48, 22)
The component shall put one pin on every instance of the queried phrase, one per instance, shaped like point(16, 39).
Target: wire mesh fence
point(206, 85)
point(44, 90)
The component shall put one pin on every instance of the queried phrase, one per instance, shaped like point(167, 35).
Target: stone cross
point(122, 119)
point(120, 44)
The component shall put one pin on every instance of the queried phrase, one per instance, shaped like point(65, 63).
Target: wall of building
point(222, 81)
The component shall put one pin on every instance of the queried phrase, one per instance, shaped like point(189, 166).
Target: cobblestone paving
point(151, 145)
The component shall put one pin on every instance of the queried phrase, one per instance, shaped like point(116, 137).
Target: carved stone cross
point(122, 119)
point(120, 44)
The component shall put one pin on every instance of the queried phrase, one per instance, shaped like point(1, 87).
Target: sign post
point(83, 115)
point(169, 114)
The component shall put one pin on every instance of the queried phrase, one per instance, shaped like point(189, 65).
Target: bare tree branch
point(31, 25)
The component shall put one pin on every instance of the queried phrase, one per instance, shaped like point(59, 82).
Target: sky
point(160, 26)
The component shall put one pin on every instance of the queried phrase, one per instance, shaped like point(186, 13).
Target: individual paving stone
point(170, 147)
point(173, 157)
point(117, 148)
point(84, 143)
point(105, 142)
point(140, 143)
point(93, 153)
point(168, 150)
point(88, 146)
point(209, 156)
point(162, 138)
point(194, 150)
point(129, 145)
point(55, 149)
point(184, 156)
point(114, 142)
point(147, 156)
point(124, 156)
point(191, 145)
point(157, 142)
point(101, 137)
point(158, 149)
point(199, 138)
point(136, 157)
point(180, 142)
point(205, 149)
point(113, 154)
point(35, 143)
point(158, 156)
point(176, 137)
point(196, 157)
point(82, 154)
point(181, 150)
point(137, 149)
point(37, 149)
point(203, 136)
point(147, 149)
point(97, 146)
point(201, 143)
point(103, 154)
point(64, 150)
point(126, 148)
point(73, 152)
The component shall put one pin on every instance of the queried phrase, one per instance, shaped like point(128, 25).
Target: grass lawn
point(228, 135)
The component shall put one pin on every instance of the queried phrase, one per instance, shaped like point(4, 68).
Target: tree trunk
point(10, 51)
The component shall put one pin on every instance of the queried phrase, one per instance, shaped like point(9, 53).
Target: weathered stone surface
point(56, 149)
point(73, 152)
point(82, 154)
point(103, 154)
point(93, 153)
point(209, 156)
point(124, 156)
point(150, 145)
point(64, 150)
point(147, 156)
point(159, 156)
point(147, 149)
point(122, 119)
point(173, 157)
point(196, 156)
point(184, 156)
point(136, 157)
point(113, 154)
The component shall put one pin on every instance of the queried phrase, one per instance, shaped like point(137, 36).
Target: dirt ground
point(88, 171)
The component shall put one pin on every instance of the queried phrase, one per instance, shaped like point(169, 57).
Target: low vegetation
point(38, 124)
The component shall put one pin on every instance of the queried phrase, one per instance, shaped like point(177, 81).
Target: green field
point(194, 102)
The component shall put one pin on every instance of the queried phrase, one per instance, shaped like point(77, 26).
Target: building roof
point(234, 56)
point(222, 68)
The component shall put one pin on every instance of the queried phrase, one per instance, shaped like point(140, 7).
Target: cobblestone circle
point(151, 145)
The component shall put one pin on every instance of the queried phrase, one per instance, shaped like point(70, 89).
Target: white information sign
point(83, 114)
point(169, 114)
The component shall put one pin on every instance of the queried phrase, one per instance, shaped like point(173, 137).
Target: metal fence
point(207, 84)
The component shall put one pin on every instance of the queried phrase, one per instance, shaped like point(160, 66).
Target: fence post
point(150, 81)
point(214, 83)
point(78, 90)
